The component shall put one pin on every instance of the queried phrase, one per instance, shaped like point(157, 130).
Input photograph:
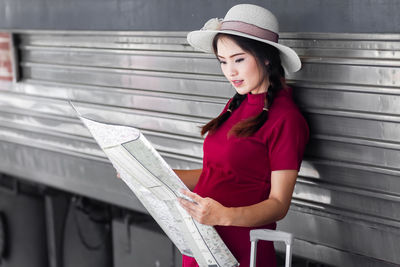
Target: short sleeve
point(287, 142)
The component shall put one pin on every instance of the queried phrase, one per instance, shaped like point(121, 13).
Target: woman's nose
point(232, 71)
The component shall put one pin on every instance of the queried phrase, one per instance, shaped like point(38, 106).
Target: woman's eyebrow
point(234, 55)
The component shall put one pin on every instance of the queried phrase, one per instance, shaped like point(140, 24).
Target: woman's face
point(240, 68)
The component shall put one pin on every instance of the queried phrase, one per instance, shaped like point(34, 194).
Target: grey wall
point(366, 16)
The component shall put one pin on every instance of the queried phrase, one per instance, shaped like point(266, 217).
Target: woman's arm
point(210, 212)
point(189, 177)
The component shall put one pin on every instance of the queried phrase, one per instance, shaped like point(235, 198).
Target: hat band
point(250, 29)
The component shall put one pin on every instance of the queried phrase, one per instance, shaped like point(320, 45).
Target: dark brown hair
point(272, 71)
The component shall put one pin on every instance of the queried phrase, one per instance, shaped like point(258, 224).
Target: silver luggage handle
point(270, 235)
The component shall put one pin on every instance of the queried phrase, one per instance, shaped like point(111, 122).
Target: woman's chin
point(241, 91)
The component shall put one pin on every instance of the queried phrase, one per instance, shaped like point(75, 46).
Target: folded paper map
point(157, 186)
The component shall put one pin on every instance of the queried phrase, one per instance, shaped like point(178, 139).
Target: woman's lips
point(237, 83)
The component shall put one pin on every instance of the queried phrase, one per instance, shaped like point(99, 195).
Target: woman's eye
point(239, 60)
point(222, 62)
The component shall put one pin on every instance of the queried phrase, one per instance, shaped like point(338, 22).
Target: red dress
point(237, 171)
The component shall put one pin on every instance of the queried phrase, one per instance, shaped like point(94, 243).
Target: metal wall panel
point(348, 190)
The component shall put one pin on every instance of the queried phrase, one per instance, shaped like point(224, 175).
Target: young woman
point(253, 149)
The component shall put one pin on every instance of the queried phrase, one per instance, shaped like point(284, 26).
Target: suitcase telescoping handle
point(270, 235)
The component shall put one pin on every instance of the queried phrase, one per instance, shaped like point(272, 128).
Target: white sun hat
point(249, 21)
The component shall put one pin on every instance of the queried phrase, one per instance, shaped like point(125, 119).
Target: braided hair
point(270, 66)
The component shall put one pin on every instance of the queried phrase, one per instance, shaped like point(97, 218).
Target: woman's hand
point(205, 210)
point(210, 212)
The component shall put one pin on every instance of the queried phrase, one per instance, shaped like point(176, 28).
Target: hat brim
point(202, 40)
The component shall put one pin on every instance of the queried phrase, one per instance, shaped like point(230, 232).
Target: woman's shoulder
point(284, 106)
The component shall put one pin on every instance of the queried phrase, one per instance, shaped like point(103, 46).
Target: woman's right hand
point(118, 176)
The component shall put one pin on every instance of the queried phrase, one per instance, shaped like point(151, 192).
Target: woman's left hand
point(205, 210)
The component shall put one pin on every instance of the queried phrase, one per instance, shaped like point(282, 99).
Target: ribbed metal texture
point(346, 206)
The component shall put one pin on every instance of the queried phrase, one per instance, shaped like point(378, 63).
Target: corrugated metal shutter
point(152, 81)
point(346, 206)
point(347, 198)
